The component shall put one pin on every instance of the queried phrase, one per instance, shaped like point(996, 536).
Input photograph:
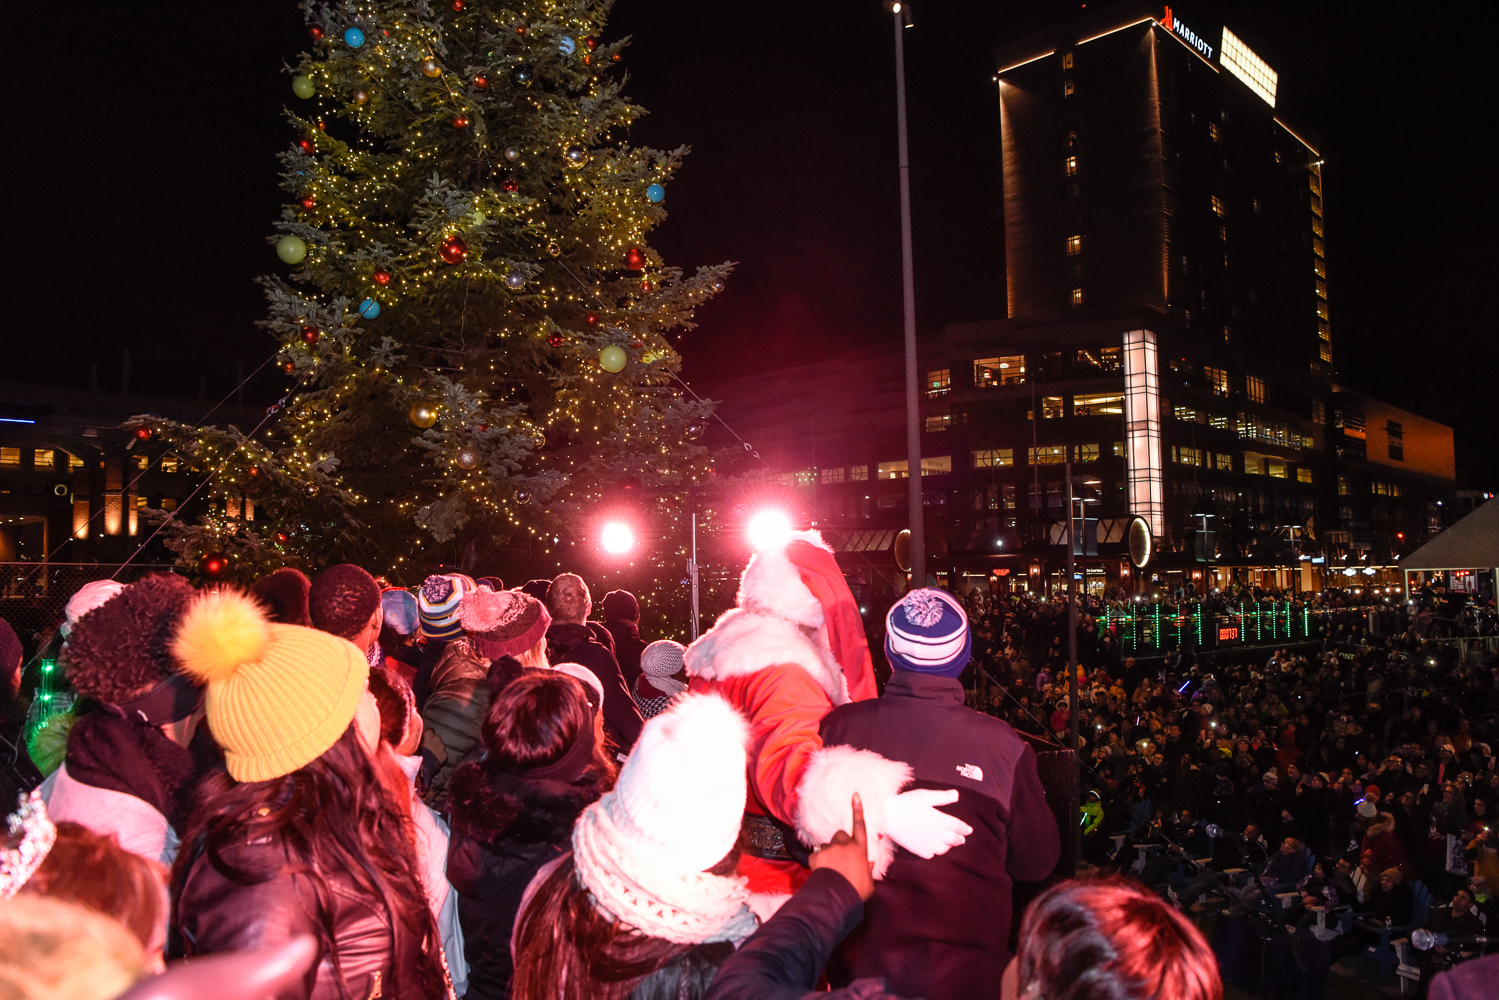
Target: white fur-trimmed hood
point(771, 583)
point(744, 642)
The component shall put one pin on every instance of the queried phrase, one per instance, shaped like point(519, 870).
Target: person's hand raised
point(849, 855)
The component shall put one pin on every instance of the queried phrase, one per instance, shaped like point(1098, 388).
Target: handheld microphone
point(1425, 940)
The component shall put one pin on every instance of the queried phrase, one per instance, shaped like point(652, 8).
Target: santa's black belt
point(763, 837)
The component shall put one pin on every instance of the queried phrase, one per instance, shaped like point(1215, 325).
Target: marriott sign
point(1172, 22)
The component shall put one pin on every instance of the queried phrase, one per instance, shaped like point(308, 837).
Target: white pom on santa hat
point(683, 787)
point(772, 583)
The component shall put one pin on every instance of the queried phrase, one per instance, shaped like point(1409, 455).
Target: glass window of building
point(894, 470)
point(1067, 87)
point(1104, 404)
point(43, 458)
point(831, 475)
point(1225, 462)
point(938, 382)
point(1086, 452)
point(1054, 454)
point(1118, 449)
point(938, 422)
point(858, 473)
point(1218, 208)
point(1303, 475)
point(1217, 380)
point(937, 465)
point(1255, 388)
point(1074, 244)
point(1104, 359)
point(1005, 370)
point(990, 458)
point(1051, 409)
point(1077, 296)
point(10, 456)
point(1066, 60)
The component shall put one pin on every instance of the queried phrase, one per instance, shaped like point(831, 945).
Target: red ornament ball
point(592, 318)
point(381, 276)
point(308, 202)
point(635, 258)
point(213, 564)
point(457, 6)
point(645, 285)
point(143, 433)
point(316, 31)
point(460, 122)
point(306, 145)
point(587, 59)
point(288, 366)
point(592, 43)
point(556, 339)
point(253, 471)
point(282, 537)
point(310, 335)
point(510, 184)
point(481, 82)
point(617, 57)
point(520, 29)
point(453, 250)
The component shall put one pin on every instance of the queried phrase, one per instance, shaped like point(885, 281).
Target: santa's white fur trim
point(772, 584)
point(744, 642)
point(824, 798)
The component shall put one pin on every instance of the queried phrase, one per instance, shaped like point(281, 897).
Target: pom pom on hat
point(222, 630)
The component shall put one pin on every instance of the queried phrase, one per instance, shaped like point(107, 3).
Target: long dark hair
point(535, 718)
point(567, 949)
point(332, 815)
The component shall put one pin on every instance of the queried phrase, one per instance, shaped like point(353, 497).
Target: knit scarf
point(637, 882)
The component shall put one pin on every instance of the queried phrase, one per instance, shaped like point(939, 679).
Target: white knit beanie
point(644, 849)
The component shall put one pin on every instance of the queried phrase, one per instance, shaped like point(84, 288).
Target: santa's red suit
point(791, 650)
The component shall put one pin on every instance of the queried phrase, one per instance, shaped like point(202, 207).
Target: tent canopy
point(1472, 543)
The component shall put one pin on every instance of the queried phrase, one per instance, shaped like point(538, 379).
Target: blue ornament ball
point(369, 308)
point(655, 192)
point(353, 38)
point(567, 46)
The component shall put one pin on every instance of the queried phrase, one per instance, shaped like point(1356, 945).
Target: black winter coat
point(504, 829)
point(939, 928)
point(568, 642)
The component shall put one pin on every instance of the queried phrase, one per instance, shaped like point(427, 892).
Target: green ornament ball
point(613, 358)
point(291, 249)
point(479, 217)
point(303, 87)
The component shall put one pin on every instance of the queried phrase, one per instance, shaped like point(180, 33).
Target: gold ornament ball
point(430, 67)
point(613, 358)
point(553, 250)
point(422, 416)
point(361, 97)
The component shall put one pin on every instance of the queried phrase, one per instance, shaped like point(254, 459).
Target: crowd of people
point(1357, 771)
point(355, 790)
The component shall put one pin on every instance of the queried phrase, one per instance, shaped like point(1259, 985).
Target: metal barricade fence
point(34, 595)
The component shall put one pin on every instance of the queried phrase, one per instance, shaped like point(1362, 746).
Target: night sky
point(141, 181)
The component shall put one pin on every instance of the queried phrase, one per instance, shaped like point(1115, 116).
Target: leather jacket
point(215, 914)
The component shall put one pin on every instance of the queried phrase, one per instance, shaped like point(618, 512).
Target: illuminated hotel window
point(74, 462)
point(1077, 296)
point(10, 456)
point(938, 422)
point(169, 463)
point(938, 382)
point(1240, 60)
point(1218, 208)
point(937, 465)
point(1214, 133)
point(1255, 388)
point(1085, 452)
point(858, 473)
point(1228, 331)
point(1325, 351)
point(1303, 475)
point(1321, 289)
point(894, 470)
point(168, 503)
point(1322, 308)
point(1051, 408)
point(1071, 166)
point(831, 475)
point(1225, 462)
point(1317, 224)
point(1066, 60)
point(1105, 359)
point(1317, 248)
point(1055, 454)
point(1098, 405)
point(992, 458)
point(1067, 88)
point(43, 458)
point(1118, 449)
point(1074, 244)
point(1319, 412)
point(1006, 370)
point(1342, 486)
point(1184, 413)
point(1319, 266)
point(1218, 421)
point(1217, 380)
point(1223, 233)
point(141, 462)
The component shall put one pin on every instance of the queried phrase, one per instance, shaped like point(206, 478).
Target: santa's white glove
point(913, 821)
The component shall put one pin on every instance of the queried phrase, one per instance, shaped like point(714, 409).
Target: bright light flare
point(769, 529)
point(617, 538)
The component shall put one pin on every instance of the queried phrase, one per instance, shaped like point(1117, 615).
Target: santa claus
point(790, 651)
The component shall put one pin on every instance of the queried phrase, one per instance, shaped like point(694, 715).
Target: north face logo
point(971, 771)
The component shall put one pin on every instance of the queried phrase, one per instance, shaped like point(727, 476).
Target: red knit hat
point(506, 623)
point(342, 600)
point(284, 594)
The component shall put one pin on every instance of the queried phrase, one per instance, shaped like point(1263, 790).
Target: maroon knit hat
point(119, 651)
point(506, 623)
point(342, 600)
point(284, 594)
point(11, 652)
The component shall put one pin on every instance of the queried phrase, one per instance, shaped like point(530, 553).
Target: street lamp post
point(901, 13)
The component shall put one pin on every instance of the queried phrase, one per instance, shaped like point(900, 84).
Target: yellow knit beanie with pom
point(278, 695)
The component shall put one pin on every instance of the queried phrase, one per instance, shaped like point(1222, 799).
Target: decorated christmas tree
point(473, 329)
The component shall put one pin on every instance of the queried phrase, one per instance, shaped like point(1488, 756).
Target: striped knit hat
point(437, 604)
point(926, 632)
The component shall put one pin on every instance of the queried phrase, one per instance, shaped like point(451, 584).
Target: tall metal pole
point(908, 288)
point(1072, 650)
point(692, 569)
